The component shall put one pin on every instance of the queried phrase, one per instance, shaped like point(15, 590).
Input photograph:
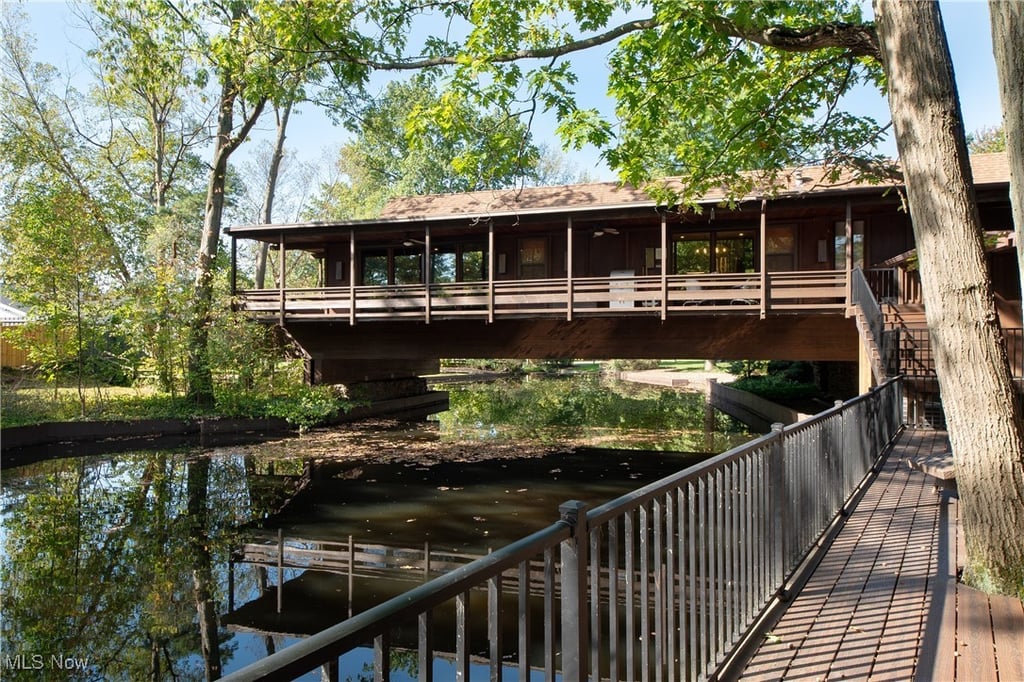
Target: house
point(11, 317)
point(602, 270)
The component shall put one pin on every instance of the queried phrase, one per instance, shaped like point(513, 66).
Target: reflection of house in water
point(426, 521)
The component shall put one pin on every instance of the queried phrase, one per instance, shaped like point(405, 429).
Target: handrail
point(320, 648)
point(863, 298)
point(676, 573)
point(810, 291)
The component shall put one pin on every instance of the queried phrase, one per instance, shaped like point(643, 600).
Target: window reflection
point(375, 269)
point(443, 266)
point(408, 268)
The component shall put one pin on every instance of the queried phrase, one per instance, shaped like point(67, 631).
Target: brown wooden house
point(604, 271)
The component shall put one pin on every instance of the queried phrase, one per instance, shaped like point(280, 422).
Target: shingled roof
point(987, 168)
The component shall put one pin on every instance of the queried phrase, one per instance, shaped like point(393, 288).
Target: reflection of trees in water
point(113, 561)
point(560, 408)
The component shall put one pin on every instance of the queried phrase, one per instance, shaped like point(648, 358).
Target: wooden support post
point(490, 271)
point(849, 254)
point(664, 266)
point(234, 265)
point(428, 271)
point(568, 271)
point(351, 277)
point(280, 277)
point(764, 259)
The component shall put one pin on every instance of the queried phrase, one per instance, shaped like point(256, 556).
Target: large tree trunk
point(204, 587)
point(1008, 47)
point(267, 212)
point(200, 374)
point(974, 376)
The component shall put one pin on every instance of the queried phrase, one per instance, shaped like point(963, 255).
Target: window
point(734, 251)
point(780, 248)
point(375, 269)
point(443, 265)
point(533, 258)
point(858, 244)
point(408, 267)
point(692, 253)
point(474, 264)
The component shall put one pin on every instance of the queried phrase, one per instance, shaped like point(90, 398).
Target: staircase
point(894, 332)
point(895, 336)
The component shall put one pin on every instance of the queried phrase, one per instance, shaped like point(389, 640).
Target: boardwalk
point(884, 603)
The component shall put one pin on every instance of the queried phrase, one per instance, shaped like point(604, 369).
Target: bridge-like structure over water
point(813, 269)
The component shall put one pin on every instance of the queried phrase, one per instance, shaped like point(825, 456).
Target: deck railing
point(819, 291)
point(661, 583)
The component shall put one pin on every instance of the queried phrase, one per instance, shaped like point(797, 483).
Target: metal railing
point(661, 583)
point(820, 291)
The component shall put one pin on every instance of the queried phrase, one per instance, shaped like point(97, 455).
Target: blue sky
point(312, 135)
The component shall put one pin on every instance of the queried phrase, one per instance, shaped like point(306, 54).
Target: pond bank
point(25, 444)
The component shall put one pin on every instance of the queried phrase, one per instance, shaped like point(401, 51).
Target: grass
point(25, 401)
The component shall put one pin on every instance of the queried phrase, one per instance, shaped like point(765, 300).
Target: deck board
point(884, 602)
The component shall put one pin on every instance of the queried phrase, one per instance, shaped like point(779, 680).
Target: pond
point(164, 564)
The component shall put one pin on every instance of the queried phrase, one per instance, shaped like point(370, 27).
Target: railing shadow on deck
point(665, 582)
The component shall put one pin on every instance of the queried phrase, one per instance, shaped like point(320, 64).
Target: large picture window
point(408, 267)
point(720, 251)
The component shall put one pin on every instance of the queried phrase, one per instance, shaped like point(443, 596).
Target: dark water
point(116, 567)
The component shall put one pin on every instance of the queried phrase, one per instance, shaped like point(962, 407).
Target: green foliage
point(413, 141)
point(302, 406)
point(114, 540)
point(747, 368)
point(777, 388)
point(987, 140)
point(551, 408)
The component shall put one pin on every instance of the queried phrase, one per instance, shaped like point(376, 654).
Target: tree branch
point(858, 40)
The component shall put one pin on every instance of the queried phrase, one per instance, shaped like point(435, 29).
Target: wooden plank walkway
point(884, 602)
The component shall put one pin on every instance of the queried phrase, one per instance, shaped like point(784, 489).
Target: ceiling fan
point(601, 231)
point(409, 241)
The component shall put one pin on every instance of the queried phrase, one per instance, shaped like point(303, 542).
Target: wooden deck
point(884, 602)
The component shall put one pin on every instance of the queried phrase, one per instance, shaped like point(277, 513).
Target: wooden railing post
point(280, 279)
point(352, 277)
point(568, 271)
point(428, 268)
point(764, 258)
point(664, 267)
point(574, 555)
point(490, 271)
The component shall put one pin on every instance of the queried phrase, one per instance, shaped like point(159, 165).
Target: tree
point(392, 155)
point(987, 140)
point(69, 231)
point(1007, 36)
point(147, 84)
point(978, 395)
point(709, 90)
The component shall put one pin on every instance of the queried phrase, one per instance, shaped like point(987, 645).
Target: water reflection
point(164, 564)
